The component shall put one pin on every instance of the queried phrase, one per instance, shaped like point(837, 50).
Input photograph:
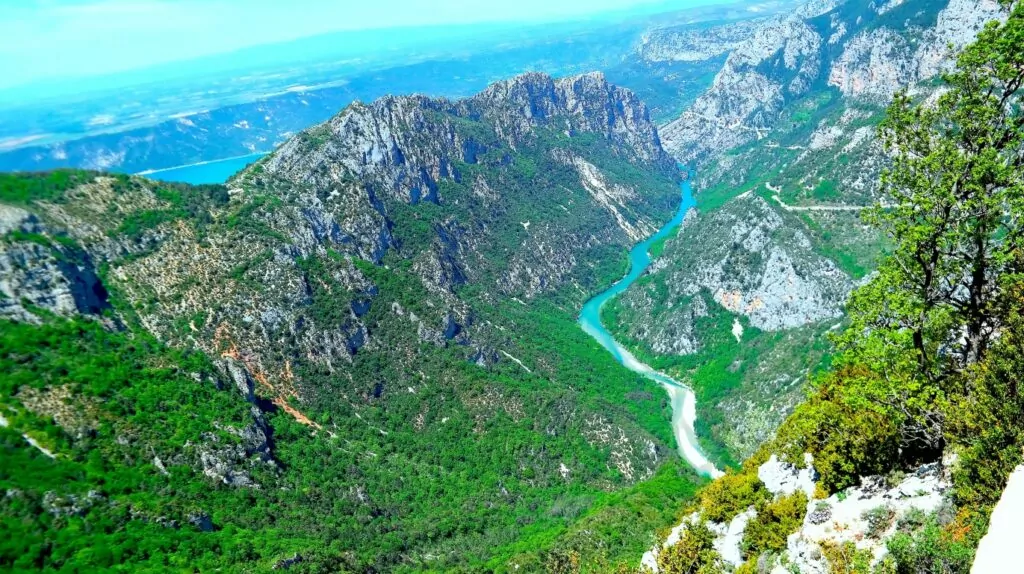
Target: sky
point(47, 39)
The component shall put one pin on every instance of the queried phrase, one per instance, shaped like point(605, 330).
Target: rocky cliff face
point(35, 272)
point(865, 50)
point(750, 261)
point(746, 290)
point(854, 524)
point(745, 97)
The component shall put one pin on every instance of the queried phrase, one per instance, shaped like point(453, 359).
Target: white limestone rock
point(784, 478)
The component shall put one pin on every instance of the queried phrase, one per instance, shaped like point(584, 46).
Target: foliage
point(730, 495)
point(846, 439)
point(693, 554)
point(986, 416)
point(932, 548)
point(50, 186)
point(879, 520)
point(956, 187)
point(775, 521)
point(125, 388)
point(614, 531)
point(845, 558)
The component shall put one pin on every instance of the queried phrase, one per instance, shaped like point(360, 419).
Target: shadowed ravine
point(684, 402)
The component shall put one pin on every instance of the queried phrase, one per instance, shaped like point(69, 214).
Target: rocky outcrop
point(688, 43)
point(957, 26)
point(864, 516)
point(37, 270)
point(874, 64)
point(877, 63)
point(747, 260)
point(744, 99)
point(405, 145)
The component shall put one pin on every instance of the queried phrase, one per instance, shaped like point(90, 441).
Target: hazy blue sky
point(42, 39)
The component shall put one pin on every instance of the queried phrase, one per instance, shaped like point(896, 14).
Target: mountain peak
point(412, 142)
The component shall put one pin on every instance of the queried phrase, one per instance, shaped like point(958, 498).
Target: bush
point(694, 554)
point(774, 522)
point(986, 419)
point(21, 188)
point(730, 495)
point(932, 548)
point(847, 440)
point(846, 559)
point(879, 520)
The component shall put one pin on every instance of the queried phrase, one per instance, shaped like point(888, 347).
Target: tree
point(956, 192)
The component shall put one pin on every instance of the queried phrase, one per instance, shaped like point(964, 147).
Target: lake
point(205, 172)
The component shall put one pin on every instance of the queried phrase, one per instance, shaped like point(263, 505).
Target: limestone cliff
point(865, 50)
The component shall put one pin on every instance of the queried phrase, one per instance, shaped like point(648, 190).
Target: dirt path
point(786, 207)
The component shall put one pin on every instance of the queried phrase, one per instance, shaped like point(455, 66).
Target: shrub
point(774, 522)
point(730, 495)
point(847, 441)
point(932, 548)
point(693, 554)
point(845, 558)
point(879, 520)
point(986, 419)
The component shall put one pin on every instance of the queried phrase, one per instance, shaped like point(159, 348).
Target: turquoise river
point(684, 402)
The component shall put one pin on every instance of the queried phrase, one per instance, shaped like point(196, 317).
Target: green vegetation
point(845, 558)
point(20, 189)
point(693, 554)
point(125, 386)
point(934, 546)
point(730, 495)
point(614, 532)
point(441, 487)
point(723, 367)
point(774, 522)
point(396, 442)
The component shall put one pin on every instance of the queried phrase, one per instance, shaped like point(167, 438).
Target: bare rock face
point(877, 63)
point(748, 261)
point(37, 270)
point(744, 99)
point(957, 26)
point(874, 64)
point(404, 145)
point(868, 51)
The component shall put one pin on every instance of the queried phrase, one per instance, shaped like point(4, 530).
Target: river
point(684, 402)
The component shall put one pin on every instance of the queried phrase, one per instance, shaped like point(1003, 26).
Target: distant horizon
point(49, 42)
